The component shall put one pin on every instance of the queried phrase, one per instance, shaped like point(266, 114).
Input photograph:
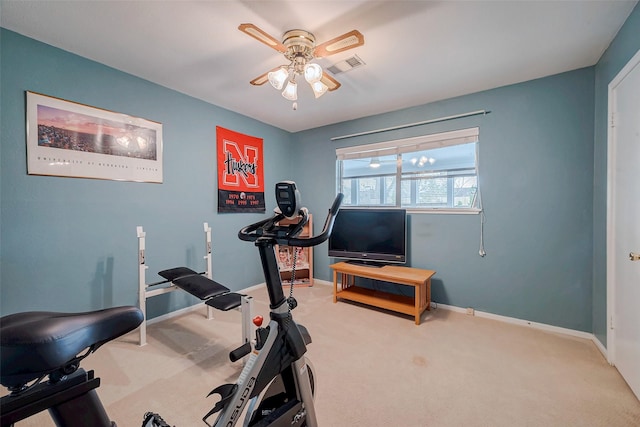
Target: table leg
point(335, 286)
point(417, 303)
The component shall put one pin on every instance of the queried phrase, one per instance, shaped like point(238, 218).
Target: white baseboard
point(251, 288)
point(175, 313)
point(262, 285)
point(601, 347)
point(535, 325)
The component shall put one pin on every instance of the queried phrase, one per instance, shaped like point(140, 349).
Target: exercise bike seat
point(34, 344)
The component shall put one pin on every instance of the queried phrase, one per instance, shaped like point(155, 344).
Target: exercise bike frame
point(282, 353)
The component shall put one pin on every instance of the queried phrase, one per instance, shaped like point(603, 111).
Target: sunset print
point(74, 131)
point(69, 139)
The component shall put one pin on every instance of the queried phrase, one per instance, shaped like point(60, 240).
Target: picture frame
point(68, 139)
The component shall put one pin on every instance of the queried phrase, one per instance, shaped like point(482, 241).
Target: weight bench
point(211, 292)
point(200, 285)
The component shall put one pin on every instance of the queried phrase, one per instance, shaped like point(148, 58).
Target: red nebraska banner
point(240, 172)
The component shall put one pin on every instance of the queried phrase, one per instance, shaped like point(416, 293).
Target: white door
point(623, 234)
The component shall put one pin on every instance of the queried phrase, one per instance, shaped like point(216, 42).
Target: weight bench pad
point(200, 286)
point(225, 302)
point(176, 273)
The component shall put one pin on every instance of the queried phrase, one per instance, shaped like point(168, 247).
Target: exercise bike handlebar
point(286, 235)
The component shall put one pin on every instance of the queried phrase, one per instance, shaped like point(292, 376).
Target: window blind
point(418, 143)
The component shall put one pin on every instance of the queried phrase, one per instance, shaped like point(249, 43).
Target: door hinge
point(611, 322)
point(612, 120)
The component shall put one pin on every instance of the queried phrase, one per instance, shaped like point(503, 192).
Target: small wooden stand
point(418, 278)
point(304, 263)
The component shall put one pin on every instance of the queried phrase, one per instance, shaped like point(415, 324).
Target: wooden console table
point(418, 278)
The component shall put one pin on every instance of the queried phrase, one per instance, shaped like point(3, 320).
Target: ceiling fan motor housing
point(299, 44)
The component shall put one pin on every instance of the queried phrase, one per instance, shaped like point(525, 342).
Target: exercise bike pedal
point(151, 419)
point(226, 392)
point(240, 352)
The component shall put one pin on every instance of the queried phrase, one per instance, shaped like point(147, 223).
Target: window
point(431, 172)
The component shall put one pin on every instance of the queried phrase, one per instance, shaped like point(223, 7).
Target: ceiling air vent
point(346, 65)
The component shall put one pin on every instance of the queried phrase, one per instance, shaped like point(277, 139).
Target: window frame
point(409, 145)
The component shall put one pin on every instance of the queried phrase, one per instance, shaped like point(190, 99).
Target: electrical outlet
point(470, 311)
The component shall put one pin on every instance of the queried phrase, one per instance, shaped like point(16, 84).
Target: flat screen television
point(370, 235)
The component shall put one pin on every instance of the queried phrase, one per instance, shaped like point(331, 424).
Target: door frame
point(611, 181)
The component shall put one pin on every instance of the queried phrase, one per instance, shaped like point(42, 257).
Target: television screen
point(370, 235)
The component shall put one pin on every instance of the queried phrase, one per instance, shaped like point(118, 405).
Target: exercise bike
point(275, 388)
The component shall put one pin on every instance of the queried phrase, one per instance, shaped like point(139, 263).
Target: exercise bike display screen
point(288, 198)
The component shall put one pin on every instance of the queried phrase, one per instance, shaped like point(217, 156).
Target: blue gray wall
point(70, 244)
point(536, 178)
point(619, 52)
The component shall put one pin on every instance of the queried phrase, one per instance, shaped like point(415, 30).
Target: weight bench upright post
point(143, 293)
point(246, 307)
point(142, 286)
point(207, 257)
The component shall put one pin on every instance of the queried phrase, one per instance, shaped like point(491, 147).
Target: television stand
point(407, 276)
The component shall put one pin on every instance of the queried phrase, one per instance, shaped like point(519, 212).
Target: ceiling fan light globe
point(319, 89)
point(312, 73)
point(278, 77)
point(291, 91)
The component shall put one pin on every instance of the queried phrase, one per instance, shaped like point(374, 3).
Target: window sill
point(443, 211)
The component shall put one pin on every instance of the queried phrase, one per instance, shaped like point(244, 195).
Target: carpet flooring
point(374, 368)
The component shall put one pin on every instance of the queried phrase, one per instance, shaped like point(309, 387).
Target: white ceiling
point(415, 52)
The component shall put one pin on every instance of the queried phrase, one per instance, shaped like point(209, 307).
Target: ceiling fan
point(299, 48)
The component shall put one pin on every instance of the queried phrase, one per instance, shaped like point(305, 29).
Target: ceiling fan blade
point(263, 78)
point(260, 80)
point(332, 84)
point(262, 37)
point(339, 44)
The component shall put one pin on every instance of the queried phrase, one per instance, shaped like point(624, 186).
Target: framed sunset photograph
point(69, 139)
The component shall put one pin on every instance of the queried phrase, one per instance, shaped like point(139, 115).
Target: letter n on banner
point(240, 172)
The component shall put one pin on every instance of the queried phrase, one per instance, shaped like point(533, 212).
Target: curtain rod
point(426, 122)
